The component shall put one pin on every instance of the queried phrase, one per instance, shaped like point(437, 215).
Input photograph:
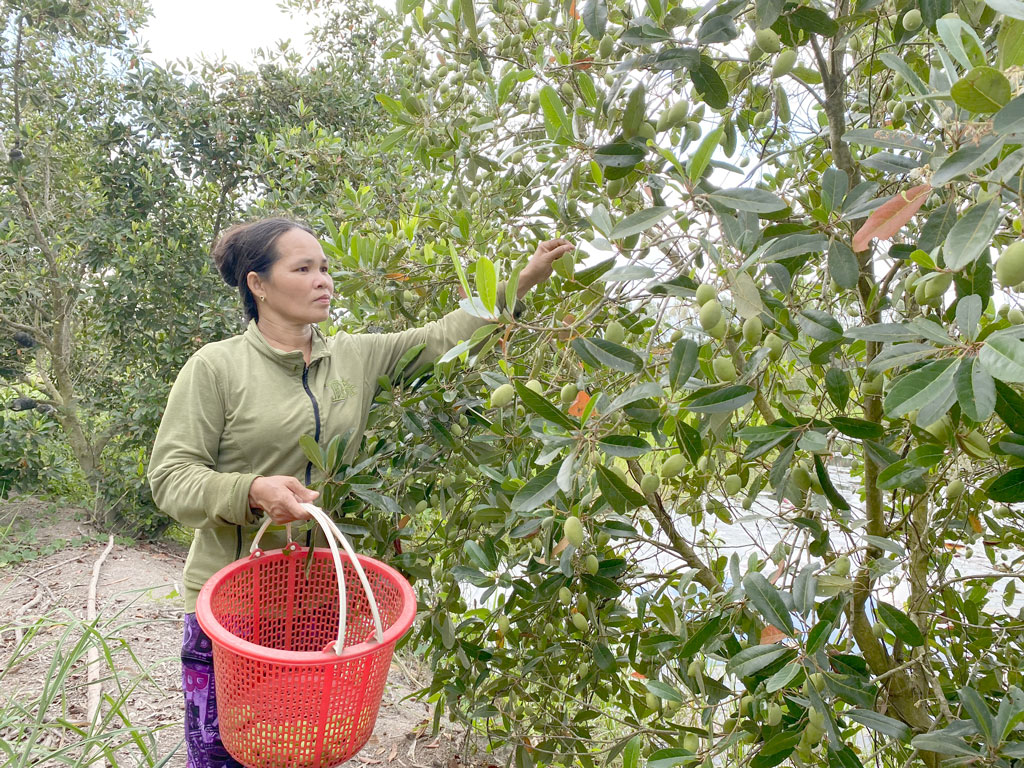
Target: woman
point(227, 451)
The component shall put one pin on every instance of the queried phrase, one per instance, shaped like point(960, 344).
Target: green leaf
point(975, 390)
point(669, 757)
point(623, 154)
point(595, 18)
point(543, 408)
point(487, 283)
point(664, 691)
point(972, 234)
point(476, 553)
point(820, 325)
point(834, 185)
point(767, 11)
point(683, 363)
point(631, 754)
point(642, 391)
point(624, 446)
point(842, 264)
point(967, 158)
point(887, 726)
point(900, 624)
point(469, 17)
point(831, 492)
point(724, 400)
point(983, 89)
point(917, 389)
point(837, 384)
point(902, 474)
point(975, 707)
point(944, 744)
point(1008, 487)
point(1012, 8)
point(897, 64)
point(699, 639)
point(598, 352)
point(1010, 119)
point(702, 156)
point(1010, 407)
point(1003, 357)
point(776, 750)
point(858, 429)
point(886, 138)
point(537, 491)
point(751, 660)
point(968, 315)
point(638, 222)
point(555, 119)
point(620, 496)
point(311, 448)
point(709, 85)
point(749, 199)
point(745, 295)
point(603, 657)
point(782, 678)
point(768, 602)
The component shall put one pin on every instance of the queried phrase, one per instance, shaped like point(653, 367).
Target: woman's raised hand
point(281, 498)
point(538, 268)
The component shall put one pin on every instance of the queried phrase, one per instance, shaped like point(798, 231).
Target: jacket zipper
point(316, 436)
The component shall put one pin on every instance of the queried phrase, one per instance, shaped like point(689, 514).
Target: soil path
point(46, 562)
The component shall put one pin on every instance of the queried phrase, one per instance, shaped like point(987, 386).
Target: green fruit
point(1010, 266)
point(818, 681)
point(746, 703)
point(767, 40)
point(502, 396)
point(845, 449)
point(878, 629)
point(568, 394)
point(724, 368)
point(784, 63)
point(503, 624)
point(564, 595)
point(719, 330)
point(774, 716)
point(752, 330)
point(652, 701)
point(646, 131)
point(937, 286)
point(591, 565)
point(941, 430)
point(691, 742)
point(899, 111)
point(955, 489)
point(607, 45)
point(580, 622)
point(841, 566)
point(912, 20)
point(1015, 316)
point(634, 112)
point(583, 602)
point(775, 346)
point(678, 112)
point(733, 484)
point(816, 717)
point(872, 386)
point(573, 530)
point(614, 332)
point(729, 725)
point(650, 483)
point(421, 506)
point(801, 478)
point(706, 293)
point(710, 314)
point(535, 386)
point(673, 465)
point(975, 445)
point(694, 668)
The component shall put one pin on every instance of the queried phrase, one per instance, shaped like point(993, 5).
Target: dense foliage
point(743, 485)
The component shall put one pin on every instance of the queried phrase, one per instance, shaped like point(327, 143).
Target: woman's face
point(299, 287)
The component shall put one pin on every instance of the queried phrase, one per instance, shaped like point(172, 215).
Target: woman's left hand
point(538, 268)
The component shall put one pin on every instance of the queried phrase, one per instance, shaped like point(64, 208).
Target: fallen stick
point(94, 686)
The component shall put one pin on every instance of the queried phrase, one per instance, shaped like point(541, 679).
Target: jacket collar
point(293, 359)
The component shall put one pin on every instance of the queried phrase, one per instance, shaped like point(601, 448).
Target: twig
point(94, 686)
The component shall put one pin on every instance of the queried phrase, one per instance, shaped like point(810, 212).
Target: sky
point(182, 29)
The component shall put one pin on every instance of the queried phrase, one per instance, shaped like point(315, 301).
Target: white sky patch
point(181, 29)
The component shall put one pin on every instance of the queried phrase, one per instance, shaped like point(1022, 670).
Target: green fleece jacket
point(237, 410)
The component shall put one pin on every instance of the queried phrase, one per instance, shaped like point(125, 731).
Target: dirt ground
point(47, 556)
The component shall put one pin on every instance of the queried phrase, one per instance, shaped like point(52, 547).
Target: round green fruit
point(801, 478)
point(841, 566)
point(568, 394)
point(733, 484)
point(691, 742)
point(719, 330)
point(710, 314)
point(872, 386)
point(591, 564)
point(912, 20)
point(784, 63)
point(775, 346)
point(650, 483)
point(752, 330)
point(502, 396)
point(564, 595)
point(606, 46)
point(774, 716)
point(573, 530)
point(673, 465)
point(955, 489)
point(878, 629)
point(580, 622)
point(614, 332)
point(421, 506)
point(767, 40)
point(1015, 316)
point(535, 386)
point(652, 701)
point(706, 293)
point(724, 368)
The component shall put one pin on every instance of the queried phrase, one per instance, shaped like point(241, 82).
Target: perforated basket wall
point(278, 710)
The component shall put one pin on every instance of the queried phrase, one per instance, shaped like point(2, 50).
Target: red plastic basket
point(300, 664)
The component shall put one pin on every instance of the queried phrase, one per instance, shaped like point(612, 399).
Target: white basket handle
point(263, 529)
point(332, 534)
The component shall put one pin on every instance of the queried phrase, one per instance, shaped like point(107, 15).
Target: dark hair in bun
point(246, 248)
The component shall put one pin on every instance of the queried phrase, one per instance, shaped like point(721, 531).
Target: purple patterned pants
point(202, 733)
